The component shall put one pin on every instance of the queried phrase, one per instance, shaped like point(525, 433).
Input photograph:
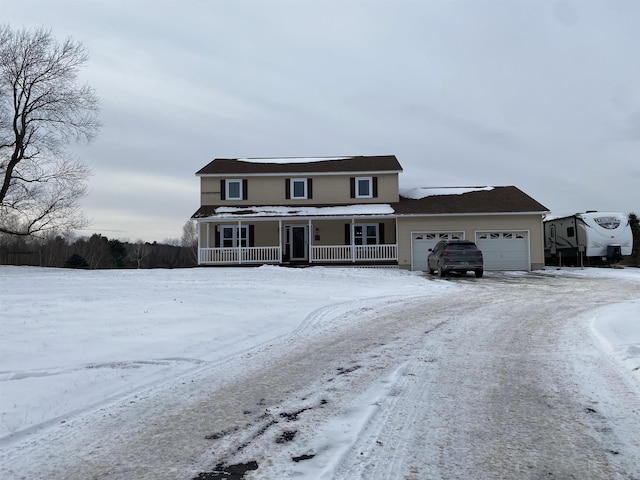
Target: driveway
point(505, 383)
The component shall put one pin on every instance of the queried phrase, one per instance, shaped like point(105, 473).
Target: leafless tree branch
point(43, 108)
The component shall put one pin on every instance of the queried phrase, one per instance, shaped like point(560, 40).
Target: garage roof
point(507, 199)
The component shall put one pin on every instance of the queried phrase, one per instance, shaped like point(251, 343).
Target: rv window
point(571, 232)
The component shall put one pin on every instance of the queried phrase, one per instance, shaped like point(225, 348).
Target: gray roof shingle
point(508, 199)
point(234, 166)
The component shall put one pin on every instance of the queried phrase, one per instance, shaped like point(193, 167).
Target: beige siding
point(332, 232)
point(327, 189)
point(265, 233)
point(470, 225)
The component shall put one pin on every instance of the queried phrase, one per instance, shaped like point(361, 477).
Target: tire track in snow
point(503, 401)
point(423, 383)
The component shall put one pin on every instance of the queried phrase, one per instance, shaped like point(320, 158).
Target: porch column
point(352, 238)
point(239, 240)
point(397, 240)
point(199, 243)
point(310, 243)
point(279, 240)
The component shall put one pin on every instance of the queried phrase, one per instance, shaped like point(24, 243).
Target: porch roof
point(271, 211)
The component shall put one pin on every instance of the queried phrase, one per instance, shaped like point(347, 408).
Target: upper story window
point(233, 189)
point(298, 188)
point(364, 187)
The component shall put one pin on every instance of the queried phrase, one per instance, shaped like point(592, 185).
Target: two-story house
point(351, 211)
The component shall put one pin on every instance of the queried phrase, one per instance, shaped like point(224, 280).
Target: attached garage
point(421, 242)
point(504, 222)
point(504, 250)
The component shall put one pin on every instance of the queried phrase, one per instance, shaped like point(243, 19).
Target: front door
point(297, 242)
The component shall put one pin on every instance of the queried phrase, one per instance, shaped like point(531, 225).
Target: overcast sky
point(540, 94)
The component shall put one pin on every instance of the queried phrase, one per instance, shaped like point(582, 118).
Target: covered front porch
point(353, 240)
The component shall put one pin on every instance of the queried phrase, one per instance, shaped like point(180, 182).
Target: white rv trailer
point(592, 237)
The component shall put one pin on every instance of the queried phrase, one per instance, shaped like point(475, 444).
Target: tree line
point(99, 252)
point(95, 252)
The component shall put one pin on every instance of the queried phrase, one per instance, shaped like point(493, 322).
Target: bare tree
point(138, 251)
point(43, 108)
point(190, 239)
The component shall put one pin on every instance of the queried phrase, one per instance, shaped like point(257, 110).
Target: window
point(571, 232)
point(364, 187)
point(365, 234)
point(234, 190)
point(298, 188)
point(235, 236)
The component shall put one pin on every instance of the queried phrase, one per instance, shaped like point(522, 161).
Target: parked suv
point(459, 256)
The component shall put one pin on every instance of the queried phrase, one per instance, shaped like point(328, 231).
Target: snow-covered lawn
point(73, 343)
point(73, 339)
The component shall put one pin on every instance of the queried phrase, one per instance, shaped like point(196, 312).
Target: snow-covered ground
point(73, 339)
point(78, 348)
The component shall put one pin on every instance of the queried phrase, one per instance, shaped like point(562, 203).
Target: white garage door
point(504, 250)
point(422, 242)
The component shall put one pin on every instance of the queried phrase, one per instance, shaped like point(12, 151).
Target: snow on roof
point(291, 159)
point(422, 192)
point(287, 211)
point(587, 214)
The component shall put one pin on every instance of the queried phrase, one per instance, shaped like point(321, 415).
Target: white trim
point(369, 180)
point(363, 215)
point(237, 231)
point(480, 214)
point(263, 218)
point(364, 235)
point(306, 244)
point(305, 188)
point(199, 230)
point(228, 182)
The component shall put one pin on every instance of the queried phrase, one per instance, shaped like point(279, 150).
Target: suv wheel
point(441, 272)
point(478, 273)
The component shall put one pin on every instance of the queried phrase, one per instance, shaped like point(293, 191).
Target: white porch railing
point(317, 253)
point(240, 255)
point(354, 253)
